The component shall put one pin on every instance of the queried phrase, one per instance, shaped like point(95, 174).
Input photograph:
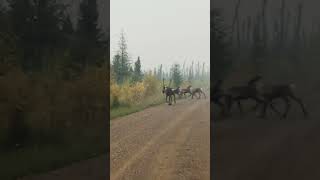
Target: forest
point(53, 85)
point(282, 46)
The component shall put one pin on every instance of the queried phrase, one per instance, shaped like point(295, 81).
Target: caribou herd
point(264, 96)
point(171, 93)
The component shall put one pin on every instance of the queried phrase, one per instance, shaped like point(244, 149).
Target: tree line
point(39, 35)
point(123, 70)
point(261, 36)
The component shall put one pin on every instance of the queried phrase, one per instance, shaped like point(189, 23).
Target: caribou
point(178, 92)
point(186, 91)
point(246, 92)
point(198, 91)
point(169, 92)
point(284, 92)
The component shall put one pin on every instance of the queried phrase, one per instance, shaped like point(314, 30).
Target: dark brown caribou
point(284, 92)
point(246, 92)
point(169, 92)
point(186, 91)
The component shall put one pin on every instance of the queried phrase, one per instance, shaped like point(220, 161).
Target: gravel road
point(162, 142)
point(249, 148)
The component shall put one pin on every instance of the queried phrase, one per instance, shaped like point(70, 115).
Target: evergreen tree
point(160, 72)
point(124, 56)
point(3, 19)
point(21, 20)
point(67, 26)
point(219, 46)
point(37, 26)
point(137, 74)
point(116, 66)
point(176, 75)
point(121, 63)
point(90, 44)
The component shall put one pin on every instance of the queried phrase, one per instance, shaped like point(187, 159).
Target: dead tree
point(236, 22)
point(264, 24)
point(282, 25)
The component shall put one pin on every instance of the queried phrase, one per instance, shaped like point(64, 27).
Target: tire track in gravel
point(160, 153)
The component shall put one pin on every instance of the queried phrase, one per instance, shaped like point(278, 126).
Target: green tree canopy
point(137, 73)
point(176, 75)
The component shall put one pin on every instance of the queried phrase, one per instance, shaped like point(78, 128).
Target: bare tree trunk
point(282, 25)
point(249, 30)
point(264, 24)
point(287, 27)
point(236, 20)
point(238, 33)
point(243, 39)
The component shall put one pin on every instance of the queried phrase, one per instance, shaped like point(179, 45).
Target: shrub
point(151, 85)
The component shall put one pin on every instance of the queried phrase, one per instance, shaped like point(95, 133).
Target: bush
point(134, 93)
point(151, 85)
point(51, 105)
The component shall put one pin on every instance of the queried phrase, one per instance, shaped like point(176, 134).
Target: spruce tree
point(137, 74)
point(37, 26)
point(176, 75)
point(90, 45)
point(219, 46)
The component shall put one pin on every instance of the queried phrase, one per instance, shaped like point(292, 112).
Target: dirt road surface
point(249, 148)
point(162, 142)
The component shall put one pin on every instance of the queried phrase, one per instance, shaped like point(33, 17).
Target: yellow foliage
point(49, 101)
point(133, 93)
point(151, 85)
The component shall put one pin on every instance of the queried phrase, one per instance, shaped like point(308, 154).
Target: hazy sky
point(162, 31)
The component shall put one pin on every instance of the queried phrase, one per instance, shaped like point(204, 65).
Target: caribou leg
point(204, 95)
point(239, 106)
point(299, 101)
point(288, 105)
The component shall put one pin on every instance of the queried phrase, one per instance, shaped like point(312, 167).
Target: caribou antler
point(254, 80)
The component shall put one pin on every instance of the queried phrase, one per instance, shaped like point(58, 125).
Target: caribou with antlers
point(198, 91)
point(249, 91)
point(186, 91)
point(169, 92)
point(284, 92)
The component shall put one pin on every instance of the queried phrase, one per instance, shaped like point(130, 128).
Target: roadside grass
point(129, 109)
point(123, 110)
point(34, 159)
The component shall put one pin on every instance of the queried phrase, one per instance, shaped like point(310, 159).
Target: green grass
point(126, 110)
point(40, 159)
